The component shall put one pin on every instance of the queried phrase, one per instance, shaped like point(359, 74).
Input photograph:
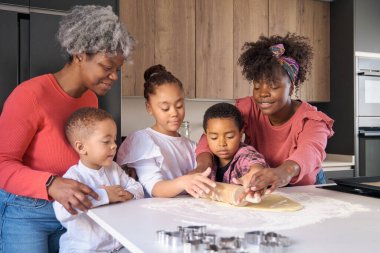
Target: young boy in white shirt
point(92, 133)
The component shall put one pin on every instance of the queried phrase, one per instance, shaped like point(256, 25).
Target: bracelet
point(50, 181)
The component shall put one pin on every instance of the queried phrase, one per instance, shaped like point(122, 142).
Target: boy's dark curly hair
point(223, 110)
point(258, 62)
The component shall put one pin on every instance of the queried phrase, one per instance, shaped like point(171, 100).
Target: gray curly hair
point(94, 29)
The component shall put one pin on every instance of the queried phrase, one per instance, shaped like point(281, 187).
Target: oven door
point(368, 94)
point(369, 151)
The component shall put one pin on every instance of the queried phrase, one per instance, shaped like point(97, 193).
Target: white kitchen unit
point(330, 221)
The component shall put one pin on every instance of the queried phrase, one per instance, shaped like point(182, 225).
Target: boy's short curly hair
point(93, 29)
point(223, 110)
point(258, 62)
point(82, 122)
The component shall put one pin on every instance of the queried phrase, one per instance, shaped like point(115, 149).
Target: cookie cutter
point(195, 239)
point(270, 247)
point(254, 237)
point(194, 246)
point(277, 238)
point(170, 239)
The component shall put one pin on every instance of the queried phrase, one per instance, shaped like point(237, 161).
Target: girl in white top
point(164, 160)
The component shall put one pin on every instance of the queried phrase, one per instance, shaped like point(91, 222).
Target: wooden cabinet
point(214, 49)
point(250, 21)
point(311, 19)
point(139, 18)
point(201, 40)
point(315, 24)
point(165, 34)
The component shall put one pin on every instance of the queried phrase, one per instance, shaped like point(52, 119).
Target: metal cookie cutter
point(270, 247)
point(231, 244)
point(192, 232)
point(169, 239)
point(277, 238)
point(254, 237)
point(194, 246)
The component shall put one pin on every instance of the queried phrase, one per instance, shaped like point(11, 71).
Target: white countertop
point(330, 221)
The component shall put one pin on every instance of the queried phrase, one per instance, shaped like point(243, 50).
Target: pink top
point(301, 139)
point(33, 145)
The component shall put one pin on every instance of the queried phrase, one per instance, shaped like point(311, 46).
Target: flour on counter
point(216, 215)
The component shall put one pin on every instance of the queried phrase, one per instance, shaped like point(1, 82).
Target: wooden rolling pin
point(227, 193)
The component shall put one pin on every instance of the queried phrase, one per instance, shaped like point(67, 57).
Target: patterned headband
point(289, 64)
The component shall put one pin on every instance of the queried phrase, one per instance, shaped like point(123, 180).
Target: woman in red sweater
point(34, 153)
point(291, 134)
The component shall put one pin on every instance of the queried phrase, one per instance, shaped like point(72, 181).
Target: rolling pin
point(227, 193)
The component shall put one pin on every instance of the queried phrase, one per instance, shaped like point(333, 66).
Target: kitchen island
point(329, 222)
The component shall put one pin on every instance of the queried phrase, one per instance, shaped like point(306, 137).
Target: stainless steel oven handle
point(369, 133)
point(369, 73)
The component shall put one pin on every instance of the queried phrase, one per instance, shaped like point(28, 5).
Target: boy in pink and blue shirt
point(223, 126)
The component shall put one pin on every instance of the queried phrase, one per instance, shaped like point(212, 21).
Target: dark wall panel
point(341, 107)
point(65, 5)
point(8, 54)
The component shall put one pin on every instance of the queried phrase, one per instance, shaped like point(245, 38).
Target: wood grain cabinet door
point(250, 22)
point(200, 41)
point(311, 19)
point(138, 16)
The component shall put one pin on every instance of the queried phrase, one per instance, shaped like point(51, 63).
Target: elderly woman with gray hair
point(34, 153)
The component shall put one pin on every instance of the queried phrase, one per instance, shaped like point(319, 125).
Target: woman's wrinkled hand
point(71, 194)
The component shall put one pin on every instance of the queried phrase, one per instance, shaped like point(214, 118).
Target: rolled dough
point(229, 194)
point(277, 203)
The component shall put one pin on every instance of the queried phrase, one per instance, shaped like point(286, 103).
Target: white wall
point(134, 116)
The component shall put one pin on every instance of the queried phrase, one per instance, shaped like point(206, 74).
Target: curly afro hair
point(258, 62)
point(93, 29)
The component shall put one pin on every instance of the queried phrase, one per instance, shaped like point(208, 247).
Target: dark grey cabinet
point(367, 26)
point(8, 54)
point(31, 49)
point(338, 174)
point(15, 2)
point(45, 52)
point(64, 5)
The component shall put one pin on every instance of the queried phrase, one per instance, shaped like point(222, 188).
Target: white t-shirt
point(83, 234)
point(157, 156)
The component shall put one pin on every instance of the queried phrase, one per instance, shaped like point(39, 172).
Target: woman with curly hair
point(34, 153)
point(291, 134)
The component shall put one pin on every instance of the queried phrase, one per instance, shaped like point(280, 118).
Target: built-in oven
point(367, 114)
point(369, 93)
point(369, 151)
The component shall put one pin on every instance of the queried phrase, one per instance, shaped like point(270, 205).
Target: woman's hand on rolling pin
point(71, 194)
point(198, 184)
point(269, 179)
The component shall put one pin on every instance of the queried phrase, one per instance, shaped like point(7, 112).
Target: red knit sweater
point(33, 145)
